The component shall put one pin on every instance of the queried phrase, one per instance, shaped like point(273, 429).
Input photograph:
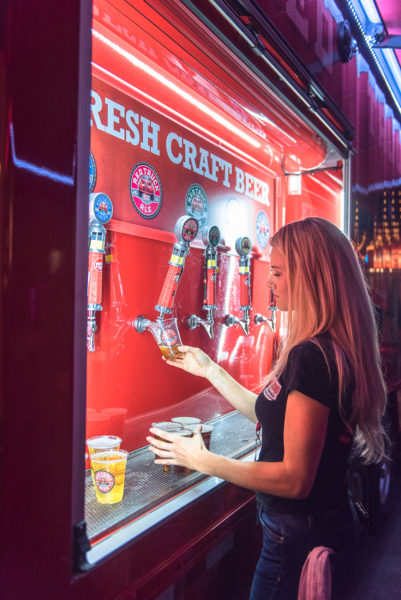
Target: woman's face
point(278, 279)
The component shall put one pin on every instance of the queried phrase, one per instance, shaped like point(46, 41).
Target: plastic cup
point(109, 475)
point(177, 429)
point(103, 442)
point(206, 432)
point(167, 337)
point(185, 421)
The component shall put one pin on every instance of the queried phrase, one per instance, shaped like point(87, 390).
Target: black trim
point(245, 43)
point(364, 50)
point(81, 547)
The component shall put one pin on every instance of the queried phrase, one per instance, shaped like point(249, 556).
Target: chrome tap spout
point(194, 321)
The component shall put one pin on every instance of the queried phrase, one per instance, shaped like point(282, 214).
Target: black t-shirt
point(307, 372)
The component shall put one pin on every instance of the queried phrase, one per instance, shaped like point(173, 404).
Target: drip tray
point(147, 485)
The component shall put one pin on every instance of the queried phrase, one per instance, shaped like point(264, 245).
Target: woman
point(324, 394)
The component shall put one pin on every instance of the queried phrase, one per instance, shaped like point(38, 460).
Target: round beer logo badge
point(262, 229)
point(197, 205)
point(92, 172)
point(146, 190)
point(99, 265)
point(104, 481)
point(169, 337)
point(102, 208)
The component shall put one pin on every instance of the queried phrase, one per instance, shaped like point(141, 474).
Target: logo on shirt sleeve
point(272, 390)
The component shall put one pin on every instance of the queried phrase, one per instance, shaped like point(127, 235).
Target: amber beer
point(101, 443)
point(109, 475)
point(206, 432)
point(170, 339)
point(177, 430)
point(170, 351)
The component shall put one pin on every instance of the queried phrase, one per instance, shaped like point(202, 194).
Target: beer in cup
point(100, 443)
point(109, 475)
point(177, 429)
point(206, 432)
point(167, 337)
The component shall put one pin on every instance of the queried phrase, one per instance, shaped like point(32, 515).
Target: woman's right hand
point(193, 360)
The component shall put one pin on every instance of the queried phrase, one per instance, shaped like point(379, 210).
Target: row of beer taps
point(186, 230)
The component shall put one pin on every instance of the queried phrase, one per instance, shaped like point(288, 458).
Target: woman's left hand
point(189, 452)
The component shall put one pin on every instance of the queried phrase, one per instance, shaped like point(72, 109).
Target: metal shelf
point(148, 486)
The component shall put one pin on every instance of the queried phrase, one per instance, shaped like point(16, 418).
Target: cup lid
point(103, 442)
point(186, 420)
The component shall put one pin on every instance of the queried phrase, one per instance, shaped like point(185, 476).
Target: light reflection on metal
point(243, 247)
point(259, 319)
point(211, 238)
point(186, 229)
point(100, 213)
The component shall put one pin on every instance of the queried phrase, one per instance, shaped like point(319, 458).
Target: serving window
point(178, 131)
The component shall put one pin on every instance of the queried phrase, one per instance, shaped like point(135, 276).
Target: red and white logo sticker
point(104, 481)
point(146, 190)
point(99, 265)
point(169, 337)
point(272, 390)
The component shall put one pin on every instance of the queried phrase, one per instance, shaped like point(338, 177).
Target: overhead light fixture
point(370, 24)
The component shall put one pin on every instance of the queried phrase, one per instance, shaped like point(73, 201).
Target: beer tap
point(259, 319)
point(243, 247)
point(185, 230)
point(211, 238)
point(100, 213)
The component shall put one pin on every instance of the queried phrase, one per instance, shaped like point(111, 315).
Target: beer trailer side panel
point(180, 127)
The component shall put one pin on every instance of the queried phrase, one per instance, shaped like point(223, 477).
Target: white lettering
point(204, 163)
point(251, 186)
point(190, 156)
point(96, 107)
point(173, 137)
point(228, 169)
point(216, 162)
point(248, 185)
point(132, 118)
point(239, 180)
point(113, 119)
point(152, 135)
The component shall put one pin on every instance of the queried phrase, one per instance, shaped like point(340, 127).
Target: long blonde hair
point(327, 292)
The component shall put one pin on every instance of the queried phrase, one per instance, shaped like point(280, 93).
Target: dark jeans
point(287, 541)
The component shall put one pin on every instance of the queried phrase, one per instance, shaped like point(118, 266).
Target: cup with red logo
point(109, 475)
point(167, 337)
point(102, 443)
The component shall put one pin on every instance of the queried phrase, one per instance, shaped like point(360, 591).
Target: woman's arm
point(195, 361)
point(304, 434)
